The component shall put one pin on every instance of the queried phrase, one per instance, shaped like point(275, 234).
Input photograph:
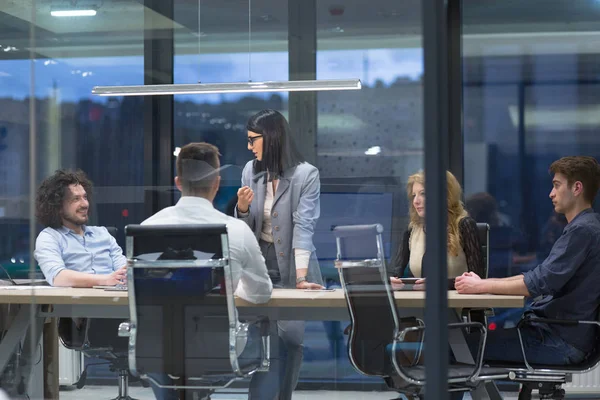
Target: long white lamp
point(73, 13)
point(242, 87)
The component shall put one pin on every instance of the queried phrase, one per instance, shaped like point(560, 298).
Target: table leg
point(51, 382)
point(462, 353)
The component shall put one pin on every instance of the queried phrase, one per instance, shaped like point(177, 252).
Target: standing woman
point(279, 200)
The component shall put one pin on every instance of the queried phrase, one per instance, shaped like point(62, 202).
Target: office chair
point(184, 333)
point(483, 231)
point(478, 314)
point(112, 230)
point(548, 379)
point(378, 345)
point(98, 337)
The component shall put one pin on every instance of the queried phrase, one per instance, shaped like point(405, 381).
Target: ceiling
point(494, 27)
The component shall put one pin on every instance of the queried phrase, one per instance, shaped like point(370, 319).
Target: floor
point(106, 392)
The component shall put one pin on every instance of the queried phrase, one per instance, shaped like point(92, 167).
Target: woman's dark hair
point(279, 152)
point(52, 193)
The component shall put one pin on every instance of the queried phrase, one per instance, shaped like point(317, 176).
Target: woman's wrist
point(301, 278)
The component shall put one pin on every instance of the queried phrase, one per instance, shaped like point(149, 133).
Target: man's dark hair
point(279, 152)
point(52, 193)
point(580, 168)
point(197, 167)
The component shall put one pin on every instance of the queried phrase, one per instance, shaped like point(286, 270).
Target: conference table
point(39, 303)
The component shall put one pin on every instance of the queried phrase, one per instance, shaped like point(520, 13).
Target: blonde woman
point(464, 248)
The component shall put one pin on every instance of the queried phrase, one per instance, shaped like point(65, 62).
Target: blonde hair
point(456, 209)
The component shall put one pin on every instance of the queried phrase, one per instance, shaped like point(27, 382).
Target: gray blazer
point(296, 209)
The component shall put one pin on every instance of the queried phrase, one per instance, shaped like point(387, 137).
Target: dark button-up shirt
point(567, 284)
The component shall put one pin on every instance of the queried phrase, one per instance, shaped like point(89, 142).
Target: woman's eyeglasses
point(252, 139)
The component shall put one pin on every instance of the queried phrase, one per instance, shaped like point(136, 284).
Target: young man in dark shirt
point(564, 286)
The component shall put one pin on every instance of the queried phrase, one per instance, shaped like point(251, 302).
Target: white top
point(251, 280)
point(301, 256)
point(266, 233)
point(456, 265)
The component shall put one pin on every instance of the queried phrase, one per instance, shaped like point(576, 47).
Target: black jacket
point(469, 239)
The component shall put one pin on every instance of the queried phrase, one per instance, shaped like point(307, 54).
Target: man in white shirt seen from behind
point(198, 180)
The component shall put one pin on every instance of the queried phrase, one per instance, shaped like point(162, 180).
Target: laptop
point(115, 288)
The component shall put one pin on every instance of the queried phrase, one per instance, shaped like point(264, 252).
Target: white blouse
point(266, 233)
point(457, 265)
point(301, 256)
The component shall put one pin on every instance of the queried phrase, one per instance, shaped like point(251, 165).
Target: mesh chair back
point(483, 230)
point(372, 309)
point(181, 302)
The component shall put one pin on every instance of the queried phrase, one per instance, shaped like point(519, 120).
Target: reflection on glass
point(530, 88)
point(364, 143)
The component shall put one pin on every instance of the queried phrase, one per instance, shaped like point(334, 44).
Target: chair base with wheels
point(102, 342)
point(547, 390)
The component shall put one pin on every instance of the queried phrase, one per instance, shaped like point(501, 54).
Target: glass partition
point(530, 96)
point(530, 90)
point(364, 143)
point(50, 121)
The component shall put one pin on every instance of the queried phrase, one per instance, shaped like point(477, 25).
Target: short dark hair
point(197, 167)
point(279, 152)
point(52, 193)
point(580, 168)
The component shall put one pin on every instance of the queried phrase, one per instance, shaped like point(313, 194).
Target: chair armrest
point(265, 326)
point(466, 325)
point(477, 325)
point(476, 314)
point(488, 310)
point(124, 329)
point(73, 333)
point(549, 321)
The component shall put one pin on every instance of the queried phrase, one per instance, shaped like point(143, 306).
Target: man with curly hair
point(69, 252)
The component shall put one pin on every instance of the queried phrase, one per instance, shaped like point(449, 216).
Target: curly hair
point(52, 193)
point(456, 209)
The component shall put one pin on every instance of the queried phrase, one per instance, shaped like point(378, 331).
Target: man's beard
point(75, 219)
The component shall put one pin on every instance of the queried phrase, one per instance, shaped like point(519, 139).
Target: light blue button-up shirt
point(96, 252)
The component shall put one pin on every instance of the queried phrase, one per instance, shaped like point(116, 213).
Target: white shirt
point(457, 265)
point(251, 280)
point(266, 233)
point(301, 256)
